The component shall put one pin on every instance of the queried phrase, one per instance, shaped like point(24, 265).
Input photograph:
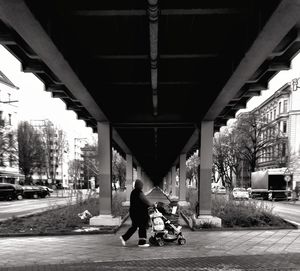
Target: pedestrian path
point(156, 195)
point(204, 250)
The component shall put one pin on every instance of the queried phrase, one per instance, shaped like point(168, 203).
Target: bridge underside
point(153, 69)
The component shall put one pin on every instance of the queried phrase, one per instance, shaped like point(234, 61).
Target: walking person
point(138, 212)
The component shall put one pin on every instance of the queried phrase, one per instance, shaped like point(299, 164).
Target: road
point(24, 207)
point(286, 210)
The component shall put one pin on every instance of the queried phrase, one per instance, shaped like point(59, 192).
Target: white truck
point(271, 184)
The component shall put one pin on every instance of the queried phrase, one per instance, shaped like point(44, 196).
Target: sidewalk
point(205, 250)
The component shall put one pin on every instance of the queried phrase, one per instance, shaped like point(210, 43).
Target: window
point(1, 119)
point(274, 113)
point(285, 106)
point(284, 127)
point(271, 115)
point(283, 151)
point(9, 119)
point(279, 107)
point(11, 160)
point(1, 159)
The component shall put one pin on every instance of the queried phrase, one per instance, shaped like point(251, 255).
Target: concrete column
point(139, 172)
point(105, 177)
point(169, 182)
point(182, 180)
point(142, 175)
point(206, 147)
point(164, 186)
point(129, 179)
point(173, 176)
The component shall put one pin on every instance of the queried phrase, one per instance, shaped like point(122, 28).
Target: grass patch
point(62, 219)
point(235, 214)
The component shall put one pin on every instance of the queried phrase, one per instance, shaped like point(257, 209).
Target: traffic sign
point(287, 178)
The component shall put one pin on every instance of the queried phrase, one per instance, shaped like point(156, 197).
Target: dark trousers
point(142, 233)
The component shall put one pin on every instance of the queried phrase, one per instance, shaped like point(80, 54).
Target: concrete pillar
point(147, 184)
point(204, 188)
point(139, 172)
point(173, 176)
point(129, 179)
point(105, 178)
point(164, 186)
point(169, 182)
point(182, 180)
point(142, 175)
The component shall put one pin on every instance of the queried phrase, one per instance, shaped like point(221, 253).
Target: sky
point(36, 104)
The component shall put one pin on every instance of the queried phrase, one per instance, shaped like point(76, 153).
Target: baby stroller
point(163, 230)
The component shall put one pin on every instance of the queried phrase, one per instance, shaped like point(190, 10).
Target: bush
point(236, 213)
point(63, 219)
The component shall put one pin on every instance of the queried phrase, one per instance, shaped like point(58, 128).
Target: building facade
point(9, 166)
point(281, 112)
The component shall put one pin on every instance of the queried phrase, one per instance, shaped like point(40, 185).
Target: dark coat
point(138, 209)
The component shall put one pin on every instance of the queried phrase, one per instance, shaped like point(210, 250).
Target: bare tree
point(192, 165)
point(30, 150)
point(257, 138)
point(118, 170)
point(226, 157)
point(54, 142)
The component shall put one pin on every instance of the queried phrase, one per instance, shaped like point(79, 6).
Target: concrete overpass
point(154, 78)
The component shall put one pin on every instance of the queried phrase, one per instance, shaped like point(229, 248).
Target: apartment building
point(9, 166)
point(281, 112)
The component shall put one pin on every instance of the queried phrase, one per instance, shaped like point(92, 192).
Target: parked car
point(221, 190)
point(48, 189)
point(240, 193)
point(10, 191)
point(31, 191)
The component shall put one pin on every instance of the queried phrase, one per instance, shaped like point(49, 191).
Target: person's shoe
point(123, 241)
point(144, 245)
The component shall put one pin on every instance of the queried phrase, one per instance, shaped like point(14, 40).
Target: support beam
point(105, 178)
point(153, 13)
point(162, 56)
point(169, 182)
point(173, 177)
point(182, 180)
point(164, 12)
point(139, 173)
point(283, 19)
point(204, 185)
point(129, 179)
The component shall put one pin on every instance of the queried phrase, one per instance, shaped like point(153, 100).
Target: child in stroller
point(162, 229)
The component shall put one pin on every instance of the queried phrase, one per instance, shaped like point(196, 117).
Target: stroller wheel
point(181, 241)
point(160, 242)
point(152, 240)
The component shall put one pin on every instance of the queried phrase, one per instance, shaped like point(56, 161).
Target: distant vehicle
point(48, 189)
point(10, 191)
point(35, 192)
point(221, 190)
point(271, 184)
point(240, 193)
